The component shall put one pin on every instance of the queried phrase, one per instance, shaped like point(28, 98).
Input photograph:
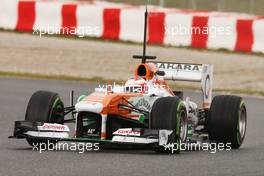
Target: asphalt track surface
point(17, 158)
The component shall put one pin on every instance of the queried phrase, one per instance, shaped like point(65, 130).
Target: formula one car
point(144, 112)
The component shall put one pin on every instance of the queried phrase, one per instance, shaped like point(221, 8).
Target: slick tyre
point(47, 107)
point(227, 120)
point(170, 113)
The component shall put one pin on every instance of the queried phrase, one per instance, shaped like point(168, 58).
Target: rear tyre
point(227, 120)
point(46, 107)
point(170, 113)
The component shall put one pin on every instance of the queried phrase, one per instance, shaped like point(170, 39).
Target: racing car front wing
point(125, 136)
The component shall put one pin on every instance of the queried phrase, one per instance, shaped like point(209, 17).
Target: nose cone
point(94, 107)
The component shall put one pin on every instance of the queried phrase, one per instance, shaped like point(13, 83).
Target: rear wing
point(190, 72)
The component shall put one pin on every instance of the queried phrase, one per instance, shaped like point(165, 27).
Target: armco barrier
point(213, 30)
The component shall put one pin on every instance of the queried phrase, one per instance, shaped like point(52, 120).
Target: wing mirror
point(160, 73)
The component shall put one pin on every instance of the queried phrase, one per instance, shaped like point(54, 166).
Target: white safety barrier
point(198, 29)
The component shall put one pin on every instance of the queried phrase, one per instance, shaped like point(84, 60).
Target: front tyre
point(170, 113)
point(227, 120)
point(44, 107)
